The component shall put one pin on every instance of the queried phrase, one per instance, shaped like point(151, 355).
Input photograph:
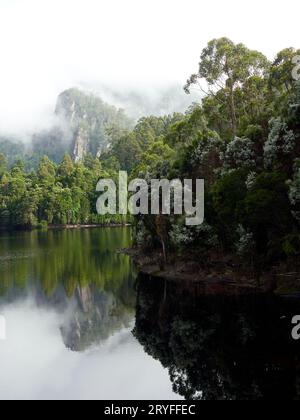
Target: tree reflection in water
point(220, 347)
point(75, 271)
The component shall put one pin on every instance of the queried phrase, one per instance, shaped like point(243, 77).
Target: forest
point(242, 139)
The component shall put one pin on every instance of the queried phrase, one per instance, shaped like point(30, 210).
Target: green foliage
point(243, 139)
point(267, 213)
point(127, 151)
point(281, 70)
point(54, 194)
point(294, 191)
point(154, 160)
point(228, 195)
point(3, 164)
point(226, 67)
point(11, 149)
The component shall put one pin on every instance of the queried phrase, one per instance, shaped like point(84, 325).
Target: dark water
point(81, 324)
point(217, 347)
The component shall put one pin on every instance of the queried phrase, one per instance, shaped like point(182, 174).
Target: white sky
point(50, 45)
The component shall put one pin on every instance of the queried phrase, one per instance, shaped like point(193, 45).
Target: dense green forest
point(52, 194)
point(243, 139)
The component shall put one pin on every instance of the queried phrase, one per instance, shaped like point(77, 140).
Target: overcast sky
point(50, 45)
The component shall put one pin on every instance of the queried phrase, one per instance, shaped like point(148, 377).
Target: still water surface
point(82, 325)
point(69, 301)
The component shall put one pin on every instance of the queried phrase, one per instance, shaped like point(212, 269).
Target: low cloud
point(50, 46)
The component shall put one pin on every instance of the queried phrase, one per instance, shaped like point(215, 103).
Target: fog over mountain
point(79, 121)
point(156, 101)
point(130, 48)
point(135, 101)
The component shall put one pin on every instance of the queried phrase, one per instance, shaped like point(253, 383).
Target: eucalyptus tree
point(226, 66)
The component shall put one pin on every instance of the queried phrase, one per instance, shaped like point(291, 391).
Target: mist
point(129, 48)
point(35, 364)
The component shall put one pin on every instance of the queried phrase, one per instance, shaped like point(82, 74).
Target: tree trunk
point(164, 251)
point(233, 112)
point(162, 234)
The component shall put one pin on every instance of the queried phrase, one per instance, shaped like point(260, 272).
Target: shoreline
point(220, 278)
point(66, 227)
point(88, 226)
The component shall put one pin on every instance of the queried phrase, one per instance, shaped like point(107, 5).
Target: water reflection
point(79, 272)
point(35, 364)
point(220, 348)
point(63, 290)
point(72, 258)
point(72, 290)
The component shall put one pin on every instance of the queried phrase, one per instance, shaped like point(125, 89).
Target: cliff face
point(82, 120)
point(88, 118)
point(81, 145)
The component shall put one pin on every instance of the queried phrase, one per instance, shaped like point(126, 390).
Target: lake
point(82, 324)
point(69, 298)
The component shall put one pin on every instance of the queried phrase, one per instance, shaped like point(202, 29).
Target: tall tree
point(281, 72)
point(225, 66)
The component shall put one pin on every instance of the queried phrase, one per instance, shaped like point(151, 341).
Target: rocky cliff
point(88, 118)
point(81, 144)
point(81, 128)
